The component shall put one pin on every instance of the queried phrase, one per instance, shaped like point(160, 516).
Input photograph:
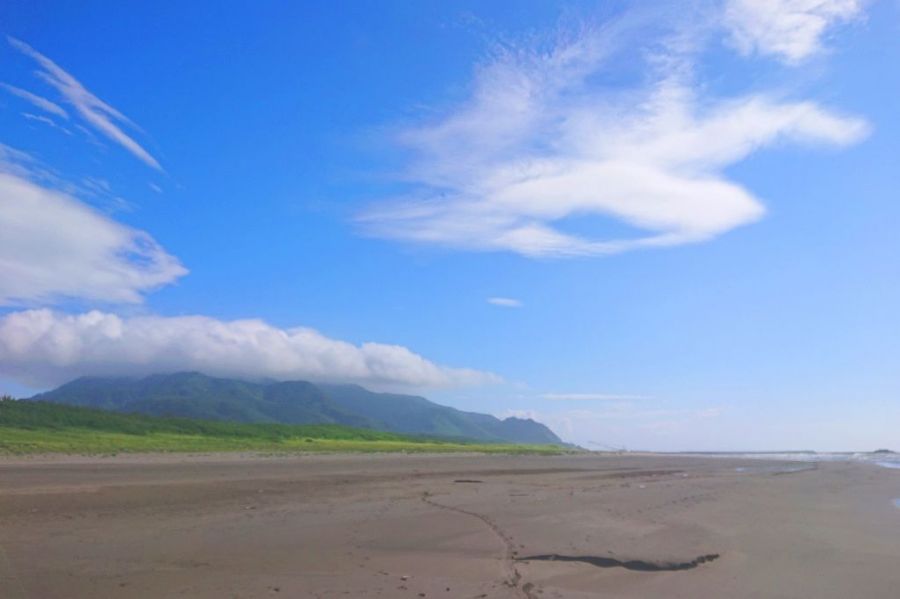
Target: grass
point(39, 427)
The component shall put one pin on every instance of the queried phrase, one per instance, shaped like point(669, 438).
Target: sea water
point(891, 460)
point(776, 469)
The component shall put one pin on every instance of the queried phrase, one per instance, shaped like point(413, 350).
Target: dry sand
point(407, 526)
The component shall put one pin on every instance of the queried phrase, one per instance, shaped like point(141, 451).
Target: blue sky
point(665, 227)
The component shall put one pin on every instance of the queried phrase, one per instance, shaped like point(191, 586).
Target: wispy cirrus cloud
point(39, 118)
point(36, 100)
point(791, 30)
point(542, 142)
point(100, 115)
point(54, 247)
point(44, 347)
point(505, 302)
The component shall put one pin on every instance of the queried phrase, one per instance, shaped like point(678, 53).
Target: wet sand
point(446, 526)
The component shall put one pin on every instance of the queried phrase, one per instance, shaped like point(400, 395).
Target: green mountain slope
point(417, 415)
point(195, 395)
point(29, 427)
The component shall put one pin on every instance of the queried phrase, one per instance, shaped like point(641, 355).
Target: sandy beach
point(446, 526)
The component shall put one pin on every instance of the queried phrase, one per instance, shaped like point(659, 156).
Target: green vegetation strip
point(38, 427)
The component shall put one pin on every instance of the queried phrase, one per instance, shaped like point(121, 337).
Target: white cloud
point(504, 302)
point(39, 118)
point(541, 143)
point(42, 103)
point(42, 347)
point(792, 30)
point(53, 246)
point(592, 397)
point(91, 108)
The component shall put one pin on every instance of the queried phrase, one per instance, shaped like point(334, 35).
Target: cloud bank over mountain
point(45, 348)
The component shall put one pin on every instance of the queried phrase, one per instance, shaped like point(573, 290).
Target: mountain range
point(195, 395)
